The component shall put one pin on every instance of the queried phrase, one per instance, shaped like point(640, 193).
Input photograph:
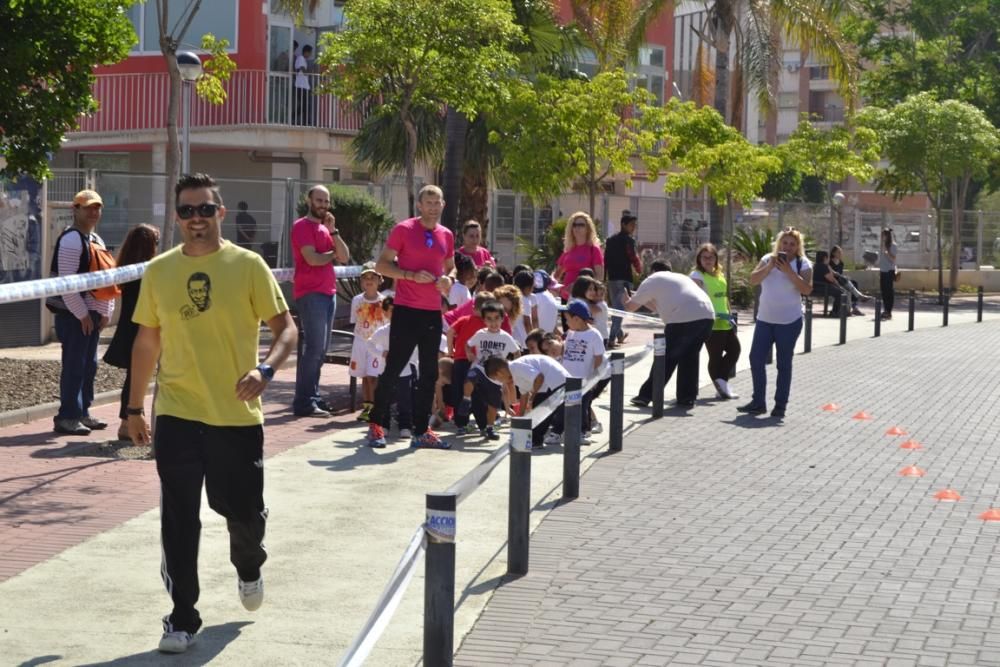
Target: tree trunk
point(411, 156)
point(474, 204)
point(591, 185)
point(173, 156)
point(956, 235)
point(940, 252)
point(456, 127)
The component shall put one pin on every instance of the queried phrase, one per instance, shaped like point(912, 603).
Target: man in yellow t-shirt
point(199, 313)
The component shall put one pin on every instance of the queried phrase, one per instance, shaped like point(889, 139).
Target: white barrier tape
point(388, 601)
point(472, 480)
point(636, 316)
point(30, 290)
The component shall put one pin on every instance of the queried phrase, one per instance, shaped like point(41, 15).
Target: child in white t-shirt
point(583, 355)
point(525, 282)
point(367, 315)
point(465, 280)
point(482, 396)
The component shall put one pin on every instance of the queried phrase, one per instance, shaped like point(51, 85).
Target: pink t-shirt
point(481, 257)
point(580, 257)
point(420, 249)
point(309, 278)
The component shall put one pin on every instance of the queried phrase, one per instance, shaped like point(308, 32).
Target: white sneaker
point(252, 594)
point(176, 642)
point(552, 438)
point(596, 427)
point(723, 389)
point(586, 438)
point(405, 433)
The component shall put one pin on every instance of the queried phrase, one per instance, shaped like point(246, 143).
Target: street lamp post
point(189, 66)
point(838, 204)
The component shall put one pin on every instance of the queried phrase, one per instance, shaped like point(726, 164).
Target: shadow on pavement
point(40, 660)
point(210, 643)
point(750, 421)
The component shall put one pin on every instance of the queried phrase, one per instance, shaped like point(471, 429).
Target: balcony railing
point(136, 102)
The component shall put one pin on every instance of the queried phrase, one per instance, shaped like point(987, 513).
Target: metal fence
point(133, 102)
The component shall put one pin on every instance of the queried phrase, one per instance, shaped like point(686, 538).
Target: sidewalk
point(78, 536)
point(721, 539)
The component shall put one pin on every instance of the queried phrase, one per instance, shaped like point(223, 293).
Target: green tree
point(945, 47)
point(834, 154)
point(49, 52)
point(422, 55)
point(703, 151)
point(936, 148)
point(172, 31)
point(554, 133)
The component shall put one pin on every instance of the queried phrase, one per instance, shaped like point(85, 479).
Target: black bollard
point(979, 304)
point(572, 434)
point(519, 501)
point(659, 373)
point(843, 324)
point(439, 575)
point(617, 424)
point(878, 317)
point(912, 309)
point(808, 340)
point(946, 299)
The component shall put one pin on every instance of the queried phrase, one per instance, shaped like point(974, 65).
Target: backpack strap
point(84, 264)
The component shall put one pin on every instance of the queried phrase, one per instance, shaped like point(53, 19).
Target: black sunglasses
point(206, 210)
point(579, 224)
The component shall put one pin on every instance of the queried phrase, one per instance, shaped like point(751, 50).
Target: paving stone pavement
point(722, 539)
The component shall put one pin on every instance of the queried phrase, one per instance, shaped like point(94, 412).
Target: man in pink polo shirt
point(316, 243)
point(419, 255)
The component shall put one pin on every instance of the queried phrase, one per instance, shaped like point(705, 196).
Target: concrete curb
point(30, 414)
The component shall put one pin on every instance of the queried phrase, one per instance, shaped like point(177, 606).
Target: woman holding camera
point(784, 276)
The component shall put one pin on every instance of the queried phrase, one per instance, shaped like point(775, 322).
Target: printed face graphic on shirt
point(199, 288)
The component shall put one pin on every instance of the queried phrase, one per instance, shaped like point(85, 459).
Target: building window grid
point(144, 20)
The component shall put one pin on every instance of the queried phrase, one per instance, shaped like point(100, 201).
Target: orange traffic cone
point(912, 471)
point(992, 514)
point(948, 496)
point(911, 444)
point(830, 407)
point(895, 430)
point(863, 416)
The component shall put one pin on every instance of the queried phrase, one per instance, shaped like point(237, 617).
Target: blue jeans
point(783, 337)
point(616, 292)
point(79, 365)
point(315, 320)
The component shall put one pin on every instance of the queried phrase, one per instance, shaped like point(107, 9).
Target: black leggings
point(411, 328)
point(887, 285)
point(723, 352)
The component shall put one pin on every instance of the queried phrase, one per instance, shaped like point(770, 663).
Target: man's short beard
point(319, 215)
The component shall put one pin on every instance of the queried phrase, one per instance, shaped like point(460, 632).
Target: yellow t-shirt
point(208, 310)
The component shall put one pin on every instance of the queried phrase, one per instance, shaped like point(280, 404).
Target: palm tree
point(469, 158)
point(615, 29)
point(757, 27)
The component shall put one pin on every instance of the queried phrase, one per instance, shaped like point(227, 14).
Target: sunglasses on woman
point(206, 210)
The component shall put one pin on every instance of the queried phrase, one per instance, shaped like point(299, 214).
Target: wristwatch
point(335, 232)
point(135, 411)
point(266, 371)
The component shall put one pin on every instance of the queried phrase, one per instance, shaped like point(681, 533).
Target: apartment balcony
point(133, 108)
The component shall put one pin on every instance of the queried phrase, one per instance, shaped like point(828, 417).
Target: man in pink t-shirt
point(316, 244)
point(419, 255)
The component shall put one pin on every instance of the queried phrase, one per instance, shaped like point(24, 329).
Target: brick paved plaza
point(713, 538)
point(719, 539)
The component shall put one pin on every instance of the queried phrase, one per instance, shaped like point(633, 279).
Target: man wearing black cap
point(620, 260)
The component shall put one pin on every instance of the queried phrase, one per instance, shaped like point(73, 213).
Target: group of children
point(508, 345)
